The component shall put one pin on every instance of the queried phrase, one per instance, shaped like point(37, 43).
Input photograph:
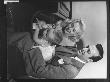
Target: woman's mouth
point(43, 33)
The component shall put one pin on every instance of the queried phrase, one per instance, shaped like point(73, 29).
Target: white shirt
point(76, 58)
point(47, 52)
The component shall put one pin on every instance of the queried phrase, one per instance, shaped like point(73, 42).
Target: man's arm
point(77, 64)
point(63, 51)
point(74, 62)
point(49, 71)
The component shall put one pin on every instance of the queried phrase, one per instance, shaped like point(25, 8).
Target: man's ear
point(90, 60)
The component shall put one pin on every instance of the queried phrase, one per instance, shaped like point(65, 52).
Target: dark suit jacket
point(37, 67)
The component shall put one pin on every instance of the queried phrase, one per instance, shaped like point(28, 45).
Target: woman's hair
point(77, 35)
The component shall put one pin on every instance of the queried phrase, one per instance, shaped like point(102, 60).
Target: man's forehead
point(92, 46)
point(94, 49)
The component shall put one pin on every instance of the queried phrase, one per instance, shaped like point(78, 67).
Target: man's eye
point(89, 51)
point(87, 46)
point(74, 30)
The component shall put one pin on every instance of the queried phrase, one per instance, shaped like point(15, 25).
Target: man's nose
point(82, 50)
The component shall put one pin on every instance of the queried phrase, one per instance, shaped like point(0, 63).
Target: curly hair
point(77, 35)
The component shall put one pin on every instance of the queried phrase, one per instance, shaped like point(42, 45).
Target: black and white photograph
point(56, 39)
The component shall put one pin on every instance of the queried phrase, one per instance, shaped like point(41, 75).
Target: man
point(91, 53)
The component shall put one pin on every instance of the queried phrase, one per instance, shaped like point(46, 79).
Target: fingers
point(60, 61)
point(83, 24)
point(35, 26)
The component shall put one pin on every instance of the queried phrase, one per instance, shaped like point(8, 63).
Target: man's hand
point(66, 60)
point(60, 61)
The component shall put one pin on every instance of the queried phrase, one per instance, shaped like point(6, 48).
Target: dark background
point(21, 13)
point(18, 16)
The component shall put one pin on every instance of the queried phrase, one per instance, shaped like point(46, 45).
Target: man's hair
point(46, 16)
point(57, 38)
point(100, 50)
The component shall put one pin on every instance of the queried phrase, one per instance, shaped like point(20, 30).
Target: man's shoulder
point(16, 36)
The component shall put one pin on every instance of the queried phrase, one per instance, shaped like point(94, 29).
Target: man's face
point(89, 51)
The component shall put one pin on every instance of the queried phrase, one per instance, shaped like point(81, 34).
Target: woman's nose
point(68, 30)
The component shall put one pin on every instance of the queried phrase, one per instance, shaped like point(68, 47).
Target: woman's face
point(72, 29)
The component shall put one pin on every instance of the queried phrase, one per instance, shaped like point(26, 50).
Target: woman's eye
point(69, 31)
